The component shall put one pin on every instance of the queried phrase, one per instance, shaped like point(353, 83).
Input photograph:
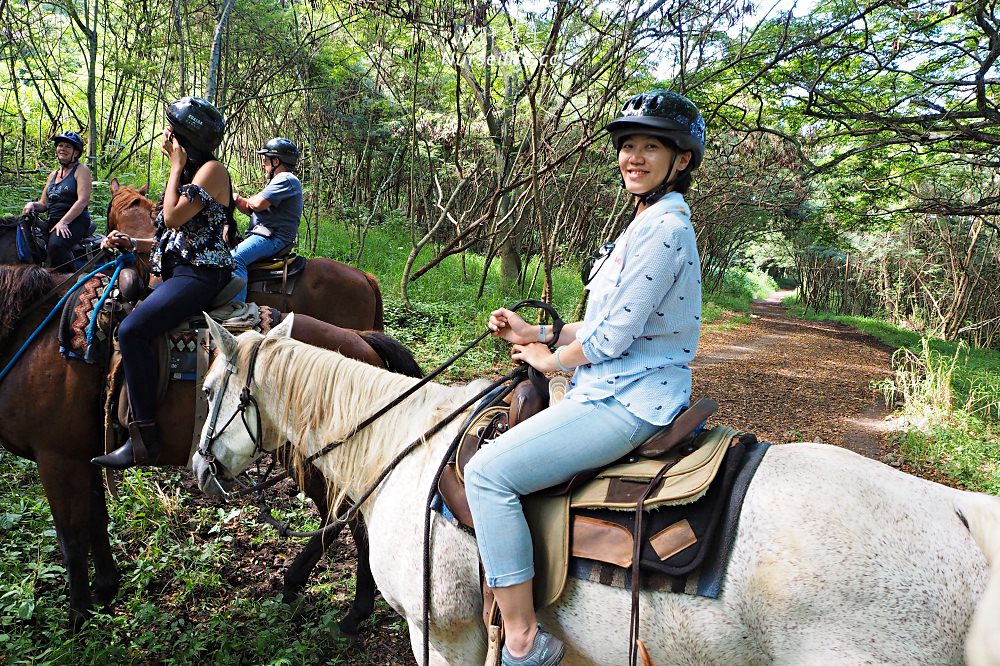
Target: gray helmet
point(283, 149)
point(71, 138)
point(198, 121)
point(663, 114)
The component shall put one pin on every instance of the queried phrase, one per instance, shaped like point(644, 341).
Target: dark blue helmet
point(284, 149)
point(71, 138)
point(198, 122)
point(663, 114)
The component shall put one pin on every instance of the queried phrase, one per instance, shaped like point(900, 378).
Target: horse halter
point(246, 400)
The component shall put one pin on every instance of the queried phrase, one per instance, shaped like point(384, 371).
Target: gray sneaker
point(546, 650)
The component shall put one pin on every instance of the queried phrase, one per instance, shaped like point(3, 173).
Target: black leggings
point(185, 293)
point(60, 250)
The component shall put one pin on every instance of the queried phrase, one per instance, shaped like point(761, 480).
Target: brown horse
point(42, 387)
point(327, 290)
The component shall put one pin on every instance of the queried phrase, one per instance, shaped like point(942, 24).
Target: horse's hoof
point(77, 619)
point(104, 596)
point(349, 628)
point(296, 603)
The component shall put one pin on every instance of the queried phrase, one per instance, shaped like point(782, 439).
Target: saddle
point(655, 511)
point(277, 274)
point(32, 241)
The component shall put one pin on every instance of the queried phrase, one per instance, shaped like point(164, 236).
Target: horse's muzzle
point(215, 482)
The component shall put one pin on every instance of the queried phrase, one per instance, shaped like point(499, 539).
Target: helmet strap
point(649, 198)
point(271, 167)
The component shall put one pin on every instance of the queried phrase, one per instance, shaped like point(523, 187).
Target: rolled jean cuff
point(510, 580)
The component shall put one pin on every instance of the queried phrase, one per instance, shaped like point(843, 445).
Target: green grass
point(951, 399)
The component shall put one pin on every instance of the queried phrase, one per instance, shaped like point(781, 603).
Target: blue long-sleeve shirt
point(643, 318)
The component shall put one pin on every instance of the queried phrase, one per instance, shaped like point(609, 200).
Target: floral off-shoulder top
point(198, 242)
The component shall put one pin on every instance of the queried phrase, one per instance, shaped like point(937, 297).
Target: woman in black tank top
point(65, 197)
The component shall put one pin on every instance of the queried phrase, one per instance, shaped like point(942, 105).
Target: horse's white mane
point(313, 396)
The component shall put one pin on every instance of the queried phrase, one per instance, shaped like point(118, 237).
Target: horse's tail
point(982, 514)
point(395, 356)
point(379, 323)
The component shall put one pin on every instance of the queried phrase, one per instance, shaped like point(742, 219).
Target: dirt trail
point(793, 380)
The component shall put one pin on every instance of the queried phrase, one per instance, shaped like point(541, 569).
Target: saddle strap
point(633, 633)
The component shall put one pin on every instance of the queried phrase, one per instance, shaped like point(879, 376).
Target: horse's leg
point(301, 568)
point(67, 486)
point(107, 579)
point(364, 583)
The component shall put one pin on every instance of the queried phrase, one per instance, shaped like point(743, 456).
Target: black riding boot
point(142, 448)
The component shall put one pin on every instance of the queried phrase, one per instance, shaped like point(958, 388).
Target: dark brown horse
point(8, 240)
point(327, 290)
point(65, 396)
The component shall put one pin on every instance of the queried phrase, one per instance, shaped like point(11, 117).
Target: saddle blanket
point(75, 322)
point(182, 342)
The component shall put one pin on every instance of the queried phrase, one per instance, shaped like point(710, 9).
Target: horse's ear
point(284, 329)
point(144, 189)
point(224, 340)
point(114, 185)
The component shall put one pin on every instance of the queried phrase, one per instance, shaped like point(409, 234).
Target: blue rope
point(57, 308)
point(125, 260)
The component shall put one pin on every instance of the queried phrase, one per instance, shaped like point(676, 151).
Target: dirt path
point(792, 380)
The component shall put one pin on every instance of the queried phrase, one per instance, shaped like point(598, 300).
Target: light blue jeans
point(252, 248)
point(543, 451)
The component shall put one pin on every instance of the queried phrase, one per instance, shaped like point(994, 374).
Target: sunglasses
point(593, 264)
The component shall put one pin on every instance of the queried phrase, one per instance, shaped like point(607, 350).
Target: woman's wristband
point(542, 331)
point(559, 363)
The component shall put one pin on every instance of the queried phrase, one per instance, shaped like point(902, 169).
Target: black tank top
point(62, 195)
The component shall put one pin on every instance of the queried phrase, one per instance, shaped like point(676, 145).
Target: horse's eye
point(207, 390)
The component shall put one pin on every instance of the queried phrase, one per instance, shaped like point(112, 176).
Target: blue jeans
point(185, 292)
point(253, 248)
point(543, 451)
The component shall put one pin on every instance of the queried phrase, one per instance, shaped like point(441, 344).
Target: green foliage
point(186, 595)
point(739, 289)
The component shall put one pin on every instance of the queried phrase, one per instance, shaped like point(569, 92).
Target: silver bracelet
point(559, 363)
point(542, 328)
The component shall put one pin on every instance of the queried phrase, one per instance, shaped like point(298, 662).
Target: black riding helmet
point(663, 114)
point(198, 121)
point(72, 138)
point(284, 149)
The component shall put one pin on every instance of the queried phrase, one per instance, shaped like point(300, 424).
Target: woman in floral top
point(188, 251)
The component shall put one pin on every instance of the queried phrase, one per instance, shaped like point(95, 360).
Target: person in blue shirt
point(188, 250)
point(274, 212)
point(629, 359)
point(65, 196)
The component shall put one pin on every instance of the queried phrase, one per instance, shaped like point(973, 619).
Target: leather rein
point(247, 400)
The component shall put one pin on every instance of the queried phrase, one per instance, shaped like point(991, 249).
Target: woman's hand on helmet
point(508, 325)
point(173, 150)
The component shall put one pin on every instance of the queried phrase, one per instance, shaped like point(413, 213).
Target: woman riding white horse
point(837, 560)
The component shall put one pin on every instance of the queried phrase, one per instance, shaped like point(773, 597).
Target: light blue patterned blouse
point(644, 316)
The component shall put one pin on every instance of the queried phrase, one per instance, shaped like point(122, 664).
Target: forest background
point(456, 150)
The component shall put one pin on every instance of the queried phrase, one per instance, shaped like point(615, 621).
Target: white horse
point(838, 559)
